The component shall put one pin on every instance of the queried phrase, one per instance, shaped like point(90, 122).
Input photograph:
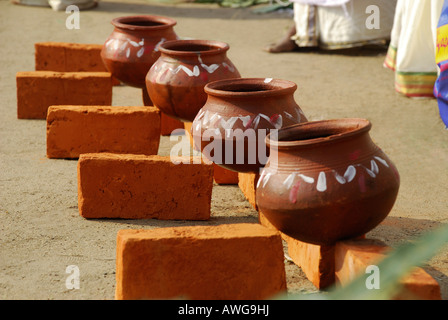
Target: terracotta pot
point(175, 83)
point(326, 181)
point(133, 46)
point(231, 127)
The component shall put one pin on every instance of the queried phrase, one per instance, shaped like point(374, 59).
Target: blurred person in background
point(337, 24)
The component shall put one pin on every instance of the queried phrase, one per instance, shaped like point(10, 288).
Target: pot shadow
point(186, 10)
point(394, 230)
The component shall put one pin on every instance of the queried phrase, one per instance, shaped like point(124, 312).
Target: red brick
point(187, 127)
point(225, 177)
point(248, 185)
point(265, 222)
point(73, 130)
point(221, 175)
point(37, 90)
point(317, 262)
point(143, 187)
point(169, 124)
point(419, 285)
point(69, 57)
point(223, 262)
point(352, 257)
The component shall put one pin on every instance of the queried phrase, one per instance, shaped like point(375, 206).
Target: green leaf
point(397, 264)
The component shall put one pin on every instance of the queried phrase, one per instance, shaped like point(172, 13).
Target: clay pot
point(175, 83)
point(326, 181)
point(133, 46)
point(230, 129)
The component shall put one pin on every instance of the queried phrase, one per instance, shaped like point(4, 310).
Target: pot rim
point(123, 22)
point(329, 128)
point(167, 47)
point(273, 87)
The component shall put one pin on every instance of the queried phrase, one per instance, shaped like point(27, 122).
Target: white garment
point(412, 50)
point(414, 35)
point(343, 26)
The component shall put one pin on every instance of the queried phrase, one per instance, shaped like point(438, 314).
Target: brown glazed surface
point(176, 81)
point(238, 115)
point(326, 181)
point(133, 46)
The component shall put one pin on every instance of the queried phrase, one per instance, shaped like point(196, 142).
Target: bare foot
point(282, 46)
point(285, 44)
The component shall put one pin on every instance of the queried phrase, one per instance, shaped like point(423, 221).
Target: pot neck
point(195, 57)
point(193, 48)
point(250, 88)
point(143, 24)
point(321, 145)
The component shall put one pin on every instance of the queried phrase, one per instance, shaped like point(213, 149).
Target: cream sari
point(338, 24)
point(412, 50)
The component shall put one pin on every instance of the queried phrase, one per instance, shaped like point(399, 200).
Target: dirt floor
point(41, 232)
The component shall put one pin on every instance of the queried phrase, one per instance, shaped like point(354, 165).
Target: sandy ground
point(41, 232)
